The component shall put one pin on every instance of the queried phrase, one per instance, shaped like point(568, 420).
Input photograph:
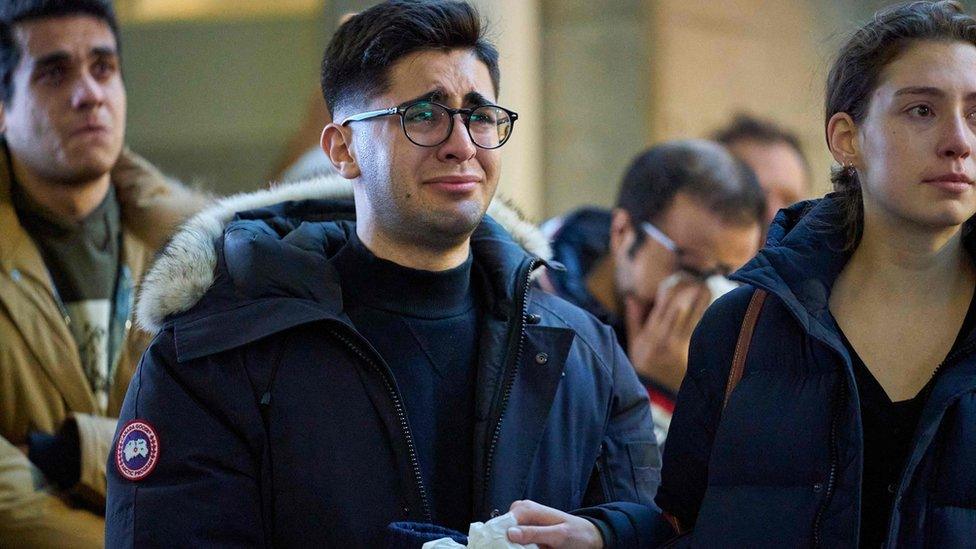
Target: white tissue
point(484, 535)
point(718, 285)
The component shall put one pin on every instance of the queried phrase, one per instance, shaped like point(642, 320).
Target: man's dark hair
point(13, 12)
point(358, 58)
point(745, 127)
point(704, 170)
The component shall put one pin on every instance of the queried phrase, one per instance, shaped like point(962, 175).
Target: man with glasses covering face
point(687, 215)
point(332, 367)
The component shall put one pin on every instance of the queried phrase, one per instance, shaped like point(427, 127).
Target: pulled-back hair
point(13, 12)
point(357, 61)
point(856, 73)
point(704, 170)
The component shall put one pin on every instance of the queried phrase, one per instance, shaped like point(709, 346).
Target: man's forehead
point(454, 74)
point(73, 34)
point(692, 224)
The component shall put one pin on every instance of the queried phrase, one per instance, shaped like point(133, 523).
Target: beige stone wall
point(710, 60)
point(595, 81)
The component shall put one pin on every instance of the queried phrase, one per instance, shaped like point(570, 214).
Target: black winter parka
point(277, 424)
point(781, 465)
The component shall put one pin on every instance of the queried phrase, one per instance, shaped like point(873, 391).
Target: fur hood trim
point(185, 269)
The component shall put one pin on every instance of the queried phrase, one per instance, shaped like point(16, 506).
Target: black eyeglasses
point(429, 124)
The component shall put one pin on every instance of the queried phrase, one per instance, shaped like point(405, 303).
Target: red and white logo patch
point(137, 450)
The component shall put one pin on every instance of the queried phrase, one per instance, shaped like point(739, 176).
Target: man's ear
point(335, 141)
point(621, 231)
point(842, 139)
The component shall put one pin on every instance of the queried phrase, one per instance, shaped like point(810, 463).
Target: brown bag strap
point(735, 374)
point(742, 345)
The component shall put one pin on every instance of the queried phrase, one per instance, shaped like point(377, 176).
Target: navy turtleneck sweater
point(425, 326)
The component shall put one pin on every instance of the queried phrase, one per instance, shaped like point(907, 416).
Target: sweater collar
point(380, 284)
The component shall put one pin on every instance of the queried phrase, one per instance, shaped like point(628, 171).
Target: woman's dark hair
point(857, 70)
point(357, 60)
point(702, 169)
point(13, 12)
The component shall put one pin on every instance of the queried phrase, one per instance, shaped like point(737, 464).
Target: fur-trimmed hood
point(187, 267)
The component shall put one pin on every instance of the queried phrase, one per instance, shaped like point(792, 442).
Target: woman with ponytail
point(849, 416)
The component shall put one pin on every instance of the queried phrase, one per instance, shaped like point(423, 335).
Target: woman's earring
point(849, 169)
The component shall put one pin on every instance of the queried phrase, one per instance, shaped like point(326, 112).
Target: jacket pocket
point(644, 469)
point(625, 471)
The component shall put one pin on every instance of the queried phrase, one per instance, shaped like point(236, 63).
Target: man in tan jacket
point(79, 220)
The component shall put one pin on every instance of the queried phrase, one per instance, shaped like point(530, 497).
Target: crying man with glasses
point(364, 360)
point(687, 215)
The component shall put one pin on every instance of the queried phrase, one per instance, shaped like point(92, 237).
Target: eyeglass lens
point(429, 124)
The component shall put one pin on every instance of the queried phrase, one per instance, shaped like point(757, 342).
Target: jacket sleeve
point(629, 465)
point(32, 516)
point(203, 489)
point(684, 475)
point(95, 436)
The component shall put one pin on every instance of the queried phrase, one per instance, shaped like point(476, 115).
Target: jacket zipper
point(603, 469)
point(953, 358)
point(523, 307)
point(832, 472)
point(401, 418)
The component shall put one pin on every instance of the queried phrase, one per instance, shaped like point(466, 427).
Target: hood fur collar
point(184, 270)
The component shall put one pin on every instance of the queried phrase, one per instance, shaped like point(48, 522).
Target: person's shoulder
point(596, 336)
point(726, 314)
point(565, 313)
point(714, 341)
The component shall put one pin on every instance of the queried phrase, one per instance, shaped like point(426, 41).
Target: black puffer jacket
point(781, 466)
point(277, 424)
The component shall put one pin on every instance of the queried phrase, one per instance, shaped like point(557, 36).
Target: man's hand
point(548, 527)
point(658, 340)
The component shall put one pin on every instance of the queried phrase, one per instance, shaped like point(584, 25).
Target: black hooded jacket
point(277, 424)
point(782, 464)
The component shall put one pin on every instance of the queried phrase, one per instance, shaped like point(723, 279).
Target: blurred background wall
point(219, 88)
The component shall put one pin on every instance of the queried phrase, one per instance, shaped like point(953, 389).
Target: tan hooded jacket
point(42, 384)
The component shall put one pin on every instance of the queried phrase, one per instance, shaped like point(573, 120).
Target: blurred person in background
point(774, 154)
point(853, 423)
point(303, 157)
point(687, 215)
point(80, 219)
point(343, 353)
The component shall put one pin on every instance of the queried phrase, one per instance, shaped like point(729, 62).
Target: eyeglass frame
point(466, 118)
point(664, 240)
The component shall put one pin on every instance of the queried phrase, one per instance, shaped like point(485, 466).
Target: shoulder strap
point(742, 345)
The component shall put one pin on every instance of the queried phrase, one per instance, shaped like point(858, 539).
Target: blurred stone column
point(596, 93)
